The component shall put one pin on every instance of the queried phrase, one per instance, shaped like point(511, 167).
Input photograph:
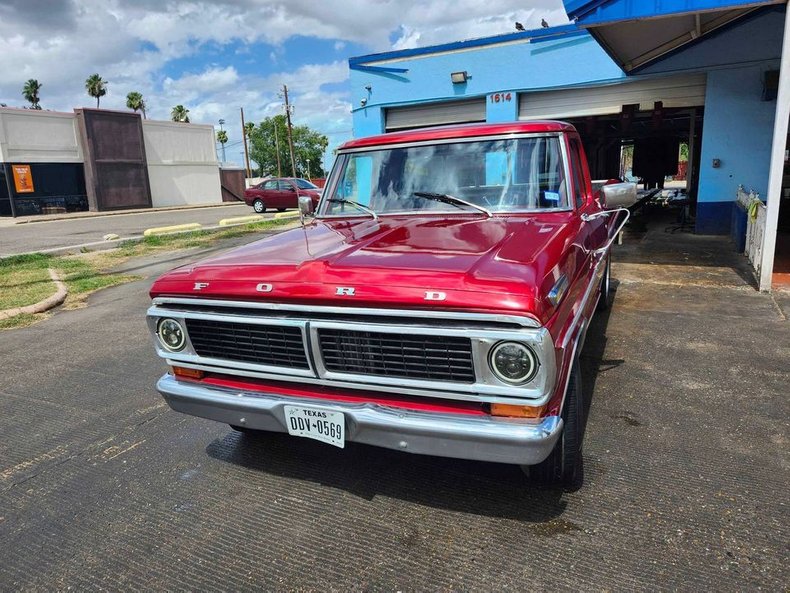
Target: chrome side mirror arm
point(616, 212)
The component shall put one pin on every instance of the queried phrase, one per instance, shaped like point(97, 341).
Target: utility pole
point(244, 135)
point(277, 149)
point(221, 123)
point(290, 137)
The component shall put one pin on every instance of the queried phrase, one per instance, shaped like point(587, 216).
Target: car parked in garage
point(280, 193)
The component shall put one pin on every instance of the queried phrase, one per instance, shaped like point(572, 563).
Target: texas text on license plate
point(315, 423)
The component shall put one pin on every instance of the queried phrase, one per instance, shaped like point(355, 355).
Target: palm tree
point(135, 102)
point(96, 87)
point(222, 138)
point(180, 114)
point(31, 93)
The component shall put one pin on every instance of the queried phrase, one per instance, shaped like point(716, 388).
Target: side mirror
point(306, 206)
point(618, 195)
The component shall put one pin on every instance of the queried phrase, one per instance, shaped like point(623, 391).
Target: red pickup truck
point(435, 302)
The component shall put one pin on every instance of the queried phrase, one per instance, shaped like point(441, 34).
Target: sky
point(214, 57)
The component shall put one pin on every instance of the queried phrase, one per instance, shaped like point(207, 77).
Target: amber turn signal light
point(186, 373)
point(511, 411)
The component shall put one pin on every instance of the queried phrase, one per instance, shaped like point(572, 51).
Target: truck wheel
point(605, 300)
point(259, 206)
point(564, 467)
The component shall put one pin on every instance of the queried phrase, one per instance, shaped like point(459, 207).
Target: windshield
point(513, 175)
point(304, 184)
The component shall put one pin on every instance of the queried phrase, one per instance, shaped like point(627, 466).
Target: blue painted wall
point(738, 128)
point(510, 66)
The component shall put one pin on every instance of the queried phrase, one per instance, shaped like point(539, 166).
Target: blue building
point(653, 74)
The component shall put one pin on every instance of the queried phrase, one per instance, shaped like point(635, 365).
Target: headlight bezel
point(532, 356)
point(182, 343)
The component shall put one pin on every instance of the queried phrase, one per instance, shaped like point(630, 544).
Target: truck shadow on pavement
point(478, 488)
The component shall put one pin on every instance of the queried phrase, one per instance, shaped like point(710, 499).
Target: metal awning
point(635, 33)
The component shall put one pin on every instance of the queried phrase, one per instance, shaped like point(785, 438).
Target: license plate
point(316, 423)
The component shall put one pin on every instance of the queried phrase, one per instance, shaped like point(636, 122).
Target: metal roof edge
point(581, 10)
point(535, 35)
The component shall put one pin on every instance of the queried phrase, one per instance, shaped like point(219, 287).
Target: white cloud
point(61, 42)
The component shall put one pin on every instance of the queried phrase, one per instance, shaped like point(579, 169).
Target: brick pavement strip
point(103, 487)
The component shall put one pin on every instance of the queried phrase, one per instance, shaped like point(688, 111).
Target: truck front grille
point(273, 345)
point(415, 356)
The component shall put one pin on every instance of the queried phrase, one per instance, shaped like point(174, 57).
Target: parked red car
point(435, 303)
point(280, 193)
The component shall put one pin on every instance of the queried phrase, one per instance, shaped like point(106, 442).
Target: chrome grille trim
point(486, 388)
point(452, 316)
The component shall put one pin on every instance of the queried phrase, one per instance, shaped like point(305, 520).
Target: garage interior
point(659, 149)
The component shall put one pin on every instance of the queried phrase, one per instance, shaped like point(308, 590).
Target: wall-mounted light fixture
point(459, 77)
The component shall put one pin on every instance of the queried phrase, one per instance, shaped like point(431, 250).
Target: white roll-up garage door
point(675, 91)
point(435, 114)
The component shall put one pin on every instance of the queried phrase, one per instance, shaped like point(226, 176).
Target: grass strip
point(24, 279)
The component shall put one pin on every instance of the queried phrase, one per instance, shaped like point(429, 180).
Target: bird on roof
point(544, 24)
point(519, 26)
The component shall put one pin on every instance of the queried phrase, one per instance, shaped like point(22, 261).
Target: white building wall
point(182, 164)
point(31, 136)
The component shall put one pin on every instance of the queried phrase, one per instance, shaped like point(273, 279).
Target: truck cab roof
point(459, 131)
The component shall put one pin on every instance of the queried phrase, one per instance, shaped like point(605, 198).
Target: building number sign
point(501, 97)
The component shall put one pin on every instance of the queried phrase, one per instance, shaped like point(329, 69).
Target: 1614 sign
point(501, 97)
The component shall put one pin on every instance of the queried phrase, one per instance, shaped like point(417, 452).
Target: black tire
point(259, 206)
point(605, 300)
point(564, 467)
point(281, 209)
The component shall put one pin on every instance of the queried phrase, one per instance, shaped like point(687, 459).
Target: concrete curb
point(286, 215)
point(41, 306)
point(82, 215)
point(242, 219)
point(165, 230)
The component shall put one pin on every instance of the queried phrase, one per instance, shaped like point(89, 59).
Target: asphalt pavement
point(102, 487)
point(35, 235)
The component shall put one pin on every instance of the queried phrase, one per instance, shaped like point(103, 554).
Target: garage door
point(676, 91)
point(435, 114)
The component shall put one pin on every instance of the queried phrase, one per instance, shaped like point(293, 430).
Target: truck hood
point(504, 263)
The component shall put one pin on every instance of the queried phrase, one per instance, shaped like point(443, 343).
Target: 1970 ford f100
point(435, 302)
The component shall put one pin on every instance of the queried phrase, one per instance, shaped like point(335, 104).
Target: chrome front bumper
point(504, 440)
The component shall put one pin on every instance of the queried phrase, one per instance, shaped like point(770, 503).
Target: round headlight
point(513, 362)
point(171, 334)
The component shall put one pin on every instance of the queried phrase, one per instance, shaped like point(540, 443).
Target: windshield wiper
point(355, 204)
point(448, 199)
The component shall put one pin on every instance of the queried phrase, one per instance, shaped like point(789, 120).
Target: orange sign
point(23, 179)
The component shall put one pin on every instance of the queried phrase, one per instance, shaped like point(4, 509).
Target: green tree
point(248, 128)
point(222, 138)
point(135, 102)
point(96, 87)
point(180, 113)
point(309, 145)
point(31, 92)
